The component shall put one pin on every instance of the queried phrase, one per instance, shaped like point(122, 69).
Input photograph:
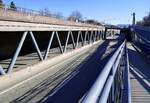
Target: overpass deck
point(9, 26)
point(139, 76)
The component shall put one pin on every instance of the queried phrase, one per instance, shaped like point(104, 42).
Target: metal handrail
point(129, 86)
point(104, 80)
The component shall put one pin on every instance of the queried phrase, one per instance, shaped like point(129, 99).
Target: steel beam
point(36, 45)
point(66, 43)
point(95, 35)
point(13, 60)
point(60, 47)
point(73, 42)
point(2, 72)
point(49, 45)
point(105, 33)
point(100, 35)
point(78, 36)
point(88, 37)
point(85, 37)
point(91, 34)
point(82, 38)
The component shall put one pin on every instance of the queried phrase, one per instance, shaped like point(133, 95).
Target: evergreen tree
point(13, 6)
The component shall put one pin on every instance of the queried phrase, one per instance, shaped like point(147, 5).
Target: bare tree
point(75, 16)
point(58, 15)
point(145, 21)
point(92, 21)
point(45, 12)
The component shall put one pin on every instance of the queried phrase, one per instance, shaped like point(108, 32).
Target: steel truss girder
point(91, 34)
point(73, 42)
point(99, 35)
point(13, 60)
point(78, 36)
point(36, 45)
point(60, 46)
point(19, 47)
point(66, 43)
point(49, 45)
point(88, 37)
point(95, 34)
point(85, 37)
point(82, 38)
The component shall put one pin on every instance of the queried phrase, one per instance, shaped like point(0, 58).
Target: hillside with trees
point(145, 21)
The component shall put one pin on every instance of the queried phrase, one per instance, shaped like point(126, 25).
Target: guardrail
point(107, 88)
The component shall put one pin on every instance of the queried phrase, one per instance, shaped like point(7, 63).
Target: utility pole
point(133, 22)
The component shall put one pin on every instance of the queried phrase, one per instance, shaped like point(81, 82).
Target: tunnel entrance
point(127, 33)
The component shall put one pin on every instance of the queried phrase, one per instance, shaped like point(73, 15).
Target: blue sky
point(109, 11)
